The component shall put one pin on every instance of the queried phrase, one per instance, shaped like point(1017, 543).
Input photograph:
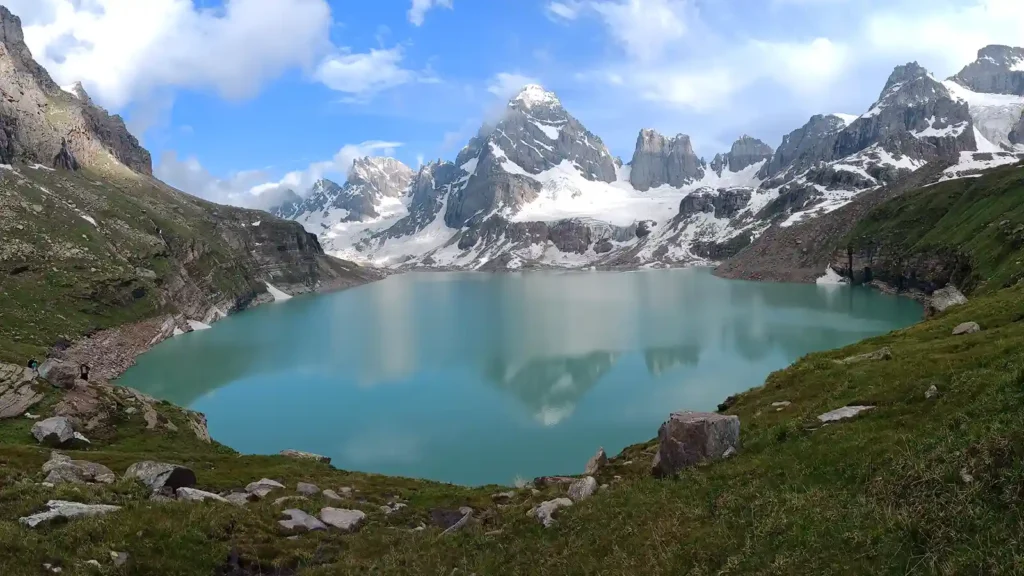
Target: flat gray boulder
point(582, 489)
point(877, 355)
point(17, 391)
point(299, 521)
point(262, 487)
point(194, 495)
point(307, 489)
point(966, 328)
point(305, 456)
point(545, 511)
point(62, 509)
point(158, 475)
point(332, 495)
point(844, 413)
point(55, 431)
point(239, 498)
point(688, 438)
point(61, 469)
point(342, 519)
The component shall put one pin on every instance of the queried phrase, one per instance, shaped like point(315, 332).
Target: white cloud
point(505, 85)
point(569, 10)
point(419, 9)
point(255, 188)
point(122, 50)
point(362, 75)
point(645, 28)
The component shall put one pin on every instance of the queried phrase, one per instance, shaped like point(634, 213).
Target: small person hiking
point(33, 365)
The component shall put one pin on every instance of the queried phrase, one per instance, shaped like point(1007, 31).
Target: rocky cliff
point(36, 115)
point(998, 70)
point(658, 161)
point(745, 152)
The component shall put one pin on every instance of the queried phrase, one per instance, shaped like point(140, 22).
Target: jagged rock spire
point(65, 160)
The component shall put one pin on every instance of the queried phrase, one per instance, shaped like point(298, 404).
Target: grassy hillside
point(969, 232)
point(914, 486)
point(81, 253)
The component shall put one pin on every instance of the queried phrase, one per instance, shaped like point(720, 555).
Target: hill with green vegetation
point(968, 232)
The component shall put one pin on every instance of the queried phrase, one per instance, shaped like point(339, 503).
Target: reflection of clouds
point(382, 447)
point(551, 416)
point(661, 360)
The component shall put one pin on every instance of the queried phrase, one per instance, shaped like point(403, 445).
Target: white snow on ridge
point(550, 131)
point(932, 132)
point(830, 277)
point(847, 118)
point(984, 145)
point(970, 164)
point(534, 95)
point(994, 115)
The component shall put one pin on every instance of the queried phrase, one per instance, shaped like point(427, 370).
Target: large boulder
point(299, 521)
point(582, 489)
point(61, 469)
point(159, 475)
point(342, 519)
point(688, 438)
point(596, 462)
point(943, 298)
point(545, 511)
point(56, 431)
point(58, 373)
point(62, 509)
point(262, 487)
point(966, 328)
point(17, 392)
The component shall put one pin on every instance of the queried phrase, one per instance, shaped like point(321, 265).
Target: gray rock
point(1016, 135)
point(932, 392)
point(658, 160)
point(781, 404)
point(966, 328)
point(299, 521)
point(582, 489)
point(729, 453)
point(306, 456)
point(944, 298)
point(261, 488)
point(55, 431)
point(66, 510)
point(240, 498)
point(724, 203)
point(881, 354)
point(17, 393)
point(307, 489)
point(61, 469)
point(545, 512)
point(118, 558)
point(466, 517)
point(504, 497)
point(688, 438)
point(805, 146)
point(284, 499)
point(844, 413)
point(332, 495)
point(343, 519)
point(596, 463)
point(389, 510)
point(744, 153)
point(194, 495)
point(158, 475)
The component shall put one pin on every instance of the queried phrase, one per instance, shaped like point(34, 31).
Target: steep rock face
point(428, 193)
point(725, 203)
point(813, 142)
point(998, 70)
point(535, 135)
point(745, 152)
point(912, 102)
point(1017, 133)
point(658, 160)
point(36, 114)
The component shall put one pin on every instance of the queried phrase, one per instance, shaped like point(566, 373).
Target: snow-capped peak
point(535, 95)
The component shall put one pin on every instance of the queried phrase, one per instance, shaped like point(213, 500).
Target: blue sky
point(242, 96)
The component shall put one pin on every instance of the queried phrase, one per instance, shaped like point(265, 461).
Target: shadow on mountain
point(550, 388)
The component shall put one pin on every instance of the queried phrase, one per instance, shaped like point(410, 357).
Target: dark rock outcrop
point(65, 160)
point(801, 148)
point(725, 203)
point(658, 160)
point(688, 438)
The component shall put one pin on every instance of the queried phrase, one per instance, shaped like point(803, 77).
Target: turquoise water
point(481, 378)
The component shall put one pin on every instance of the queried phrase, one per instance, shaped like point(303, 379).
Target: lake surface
point(477, 378)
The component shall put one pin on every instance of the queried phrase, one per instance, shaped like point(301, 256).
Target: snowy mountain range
point(537, 189)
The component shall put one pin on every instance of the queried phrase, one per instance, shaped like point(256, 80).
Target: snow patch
point(41, 167)
point(177, 331)
point(994, 115)
point(932, 132)
point(970, 164)
point(550, 131)
point(846, 118)
point(197, 325)
point(535, 95)
point(88, 219)
point(831, 277)
point(279, 295)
